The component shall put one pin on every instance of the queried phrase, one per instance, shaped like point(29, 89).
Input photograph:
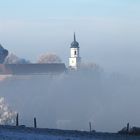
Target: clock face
point(72, 61)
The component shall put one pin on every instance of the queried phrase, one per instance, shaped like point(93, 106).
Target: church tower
point(75, 59)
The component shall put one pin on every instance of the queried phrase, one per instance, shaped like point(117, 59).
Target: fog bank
point(71, 100)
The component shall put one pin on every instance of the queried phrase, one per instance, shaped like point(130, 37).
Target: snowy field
point(14, 133)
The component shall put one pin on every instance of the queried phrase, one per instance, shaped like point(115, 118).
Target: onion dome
point(74, 44)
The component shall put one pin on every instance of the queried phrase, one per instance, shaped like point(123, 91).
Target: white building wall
point(74, 62)
point(74, 52)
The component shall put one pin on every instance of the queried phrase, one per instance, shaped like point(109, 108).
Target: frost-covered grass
point(7, 116)
point(23, 133)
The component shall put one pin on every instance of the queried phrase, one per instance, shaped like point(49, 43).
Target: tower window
point(75, 53)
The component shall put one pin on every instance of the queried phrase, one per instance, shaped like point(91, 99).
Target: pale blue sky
point(42, 9)
point(108, 30)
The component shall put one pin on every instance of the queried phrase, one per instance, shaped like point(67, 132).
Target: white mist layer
point(71, 100)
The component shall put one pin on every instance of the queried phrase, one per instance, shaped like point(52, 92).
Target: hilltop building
point(75, 59)
point(41, 68)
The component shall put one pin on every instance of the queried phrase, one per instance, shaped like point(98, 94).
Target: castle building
point(75, 59)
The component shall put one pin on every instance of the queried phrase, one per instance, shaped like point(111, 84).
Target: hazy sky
point(108, 30)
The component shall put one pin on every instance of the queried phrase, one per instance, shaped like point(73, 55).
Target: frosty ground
point(26, 133)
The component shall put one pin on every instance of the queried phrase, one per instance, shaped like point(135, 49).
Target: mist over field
point(70, 100)
point(108, 33)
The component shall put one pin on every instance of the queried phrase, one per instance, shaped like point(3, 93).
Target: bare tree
point(90, 66)
point(49, 58)
point(13, 59)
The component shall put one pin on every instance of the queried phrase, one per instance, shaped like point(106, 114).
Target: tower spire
point(75, 59)
point(74, 37)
